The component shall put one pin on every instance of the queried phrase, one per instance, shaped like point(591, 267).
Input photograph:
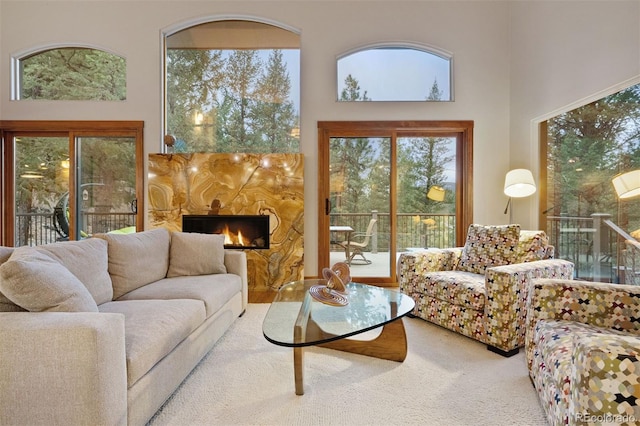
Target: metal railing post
point(598, 237)
point(374, 231)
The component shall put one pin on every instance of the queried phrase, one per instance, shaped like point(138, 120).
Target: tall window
point(584, 149)
point(395, 73)
point(233, 86)
point(71, 73)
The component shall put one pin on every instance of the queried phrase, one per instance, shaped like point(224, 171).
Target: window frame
point(462, 130)
point(401, 45)
point(16, 73)
point(9, 129)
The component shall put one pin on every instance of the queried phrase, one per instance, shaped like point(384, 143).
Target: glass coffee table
point(295, 319)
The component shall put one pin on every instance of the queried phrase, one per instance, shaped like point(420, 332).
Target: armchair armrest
point(507, 288)
point(614, 306)
point(413, 264)
point(612, 361)
point(62, 368)
point(236, 263)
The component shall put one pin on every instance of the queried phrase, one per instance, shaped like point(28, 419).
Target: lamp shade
point(436, 193)
point(627, 184)
point(519, 183)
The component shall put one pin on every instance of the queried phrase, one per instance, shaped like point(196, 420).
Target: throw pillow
point(7, 305)
point(137, 259)
point(196, 254)
point(532, 246)
point(488, 246)
point(38, 283)
point(87, 260)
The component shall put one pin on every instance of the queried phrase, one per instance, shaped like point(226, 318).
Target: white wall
point(565, 54)
point(495, 80)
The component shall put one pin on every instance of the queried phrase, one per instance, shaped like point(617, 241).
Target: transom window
point(394, 73)
point(233, 86)
point(71, 73)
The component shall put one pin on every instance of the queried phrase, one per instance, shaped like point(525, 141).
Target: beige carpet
point(447, 379)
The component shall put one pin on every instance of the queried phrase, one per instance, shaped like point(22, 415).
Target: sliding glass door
point(360, 203)
point(390, 187)
point(66, 185)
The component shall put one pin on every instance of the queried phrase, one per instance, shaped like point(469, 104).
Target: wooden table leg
point(391, 344)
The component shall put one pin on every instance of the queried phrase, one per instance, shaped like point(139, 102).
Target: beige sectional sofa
point(102, 331)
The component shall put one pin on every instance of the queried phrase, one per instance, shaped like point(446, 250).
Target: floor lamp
point(627, 185)
point(518, 183)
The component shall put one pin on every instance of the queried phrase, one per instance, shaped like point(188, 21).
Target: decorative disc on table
point(334, 292)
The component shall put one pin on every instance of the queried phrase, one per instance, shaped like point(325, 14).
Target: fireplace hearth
point(240, 231)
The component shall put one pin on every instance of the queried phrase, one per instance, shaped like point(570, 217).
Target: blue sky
point(389, 74)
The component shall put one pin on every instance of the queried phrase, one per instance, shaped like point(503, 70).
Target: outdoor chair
point(353, 248)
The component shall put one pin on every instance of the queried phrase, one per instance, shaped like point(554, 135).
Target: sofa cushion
point(455, 287)
point(37, 282)
point(488, 246)
point(153, 328)
point(196, 254)
point(532, 246)
point(137, 259)
point(213, 290)
point(7, 305)
point(87, 260)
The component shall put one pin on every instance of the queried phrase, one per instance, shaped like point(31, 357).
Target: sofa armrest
point(236, 263)
point(506, 289)
point(606, 305)
point(603, 384)
point(416, 263)
point(62, 368)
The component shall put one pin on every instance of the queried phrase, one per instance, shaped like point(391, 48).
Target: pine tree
point(242, 72)
point(273, 114)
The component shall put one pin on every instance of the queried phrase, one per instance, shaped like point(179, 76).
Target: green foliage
point(586, 148)
point(351, 91)
point(245, 104)
point(73, 74)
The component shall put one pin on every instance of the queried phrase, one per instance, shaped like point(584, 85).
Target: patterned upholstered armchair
point(583, 351)
point(480, 290)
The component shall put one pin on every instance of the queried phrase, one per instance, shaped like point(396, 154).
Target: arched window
point(394, 72)
point(233, 86)
point(71, 73)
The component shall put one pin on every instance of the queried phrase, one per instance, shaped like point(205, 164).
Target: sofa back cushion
point(532, 246)
point(7, 305)
point(87, 260)
point(38, 283)
point(137, 259)
point(196, 254)
point(487, 246)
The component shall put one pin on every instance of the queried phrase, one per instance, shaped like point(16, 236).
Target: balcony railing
point(33, 229)
point(594, 244)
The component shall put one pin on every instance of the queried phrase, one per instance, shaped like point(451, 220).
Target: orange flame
point(232, 239)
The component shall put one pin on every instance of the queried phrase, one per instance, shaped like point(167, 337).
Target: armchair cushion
point(532, 246)
point(457, 287)
point(488, 246)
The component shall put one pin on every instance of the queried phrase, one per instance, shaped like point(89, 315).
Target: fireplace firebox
point(240, 231)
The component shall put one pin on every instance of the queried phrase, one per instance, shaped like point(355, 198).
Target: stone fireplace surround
point(236, 184)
